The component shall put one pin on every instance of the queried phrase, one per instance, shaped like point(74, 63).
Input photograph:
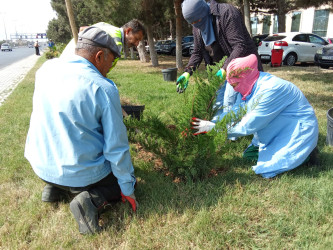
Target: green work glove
point(182, 82)
point(222, 74)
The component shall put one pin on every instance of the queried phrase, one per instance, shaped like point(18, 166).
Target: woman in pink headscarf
point(279, 116)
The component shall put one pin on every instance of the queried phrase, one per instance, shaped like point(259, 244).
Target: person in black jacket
point(218, 30)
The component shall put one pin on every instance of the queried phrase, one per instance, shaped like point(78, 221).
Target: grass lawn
point(234, 208)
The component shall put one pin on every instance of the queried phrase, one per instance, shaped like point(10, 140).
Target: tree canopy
point(160, 14)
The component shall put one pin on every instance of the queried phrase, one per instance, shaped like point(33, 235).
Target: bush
point(184, 155)
point(55, 51)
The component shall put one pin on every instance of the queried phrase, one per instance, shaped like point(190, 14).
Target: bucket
point(170, 74)
point(329, 138)
point(134, 111)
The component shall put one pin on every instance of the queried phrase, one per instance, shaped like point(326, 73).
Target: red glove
point(131, 199)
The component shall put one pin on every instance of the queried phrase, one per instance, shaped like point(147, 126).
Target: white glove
point(202, 126)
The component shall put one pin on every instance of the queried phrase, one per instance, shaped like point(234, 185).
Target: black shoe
point(314, 157)
point(53, 194)
point(85, 213)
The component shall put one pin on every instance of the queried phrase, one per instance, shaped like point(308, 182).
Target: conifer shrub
point(187, 156)
point(55, 51)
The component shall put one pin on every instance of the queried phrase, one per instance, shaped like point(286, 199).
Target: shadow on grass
point(159, 195)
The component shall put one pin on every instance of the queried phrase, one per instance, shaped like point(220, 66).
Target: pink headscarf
point(244, 71)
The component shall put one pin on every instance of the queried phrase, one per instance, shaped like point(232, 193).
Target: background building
point(312, 20)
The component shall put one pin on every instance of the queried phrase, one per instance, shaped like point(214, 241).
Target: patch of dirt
point(217, 171)
point(158, 163)
point(148, 157)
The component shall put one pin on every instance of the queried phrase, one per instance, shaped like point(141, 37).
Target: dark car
point(187, 41)
point(324, 57)
point(258, 38)
point(157, 46)
point(168, 47)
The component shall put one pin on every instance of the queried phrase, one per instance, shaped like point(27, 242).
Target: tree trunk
point(132, 53)
point(142, 53)
point(171, 29)
point(152, 51)
point(71, 19)
point(247, 16)
point(125, 49)
point(178, 12)
point(281, 8)
point(147, 10)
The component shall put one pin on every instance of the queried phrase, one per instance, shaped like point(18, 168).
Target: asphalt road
point(9, 57)
point(14, 65)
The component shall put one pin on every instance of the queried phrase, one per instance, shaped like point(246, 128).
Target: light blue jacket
point(283, 121)
point(77, 135)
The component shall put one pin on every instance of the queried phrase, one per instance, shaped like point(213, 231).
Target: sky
point(24, 16)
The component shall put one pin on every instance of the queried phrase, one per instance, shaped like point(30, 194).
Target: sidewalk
point(11, 75)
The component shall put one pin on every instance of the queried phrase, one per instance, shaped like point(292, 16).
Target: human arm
point(263, 107)
point(233, 35)
point(194, 62)
point(116, 147)
point(197, 54)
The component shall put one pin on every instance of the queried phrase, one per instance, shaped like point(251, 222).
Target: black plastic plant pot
point(170, 74)
point(134, 111)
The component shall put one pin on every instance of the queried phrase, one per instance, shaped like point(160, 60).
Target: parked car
point(258, 38)
point(168, 47)
point(329, 40)
point(6, 46)
point(324, 57)
point(157, 46)
point(30, 45)
point(187, 41)
point(297, 47)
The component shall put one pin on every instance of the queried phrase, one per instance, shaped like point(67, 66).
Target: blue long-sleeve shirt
point(283, 122)
point(77, 135)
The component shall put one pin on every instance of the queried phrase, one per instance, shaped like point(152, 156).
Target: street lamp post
point(4, 24)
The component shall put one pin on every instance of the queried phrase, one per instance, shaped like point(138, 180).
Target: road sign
point(28, 36)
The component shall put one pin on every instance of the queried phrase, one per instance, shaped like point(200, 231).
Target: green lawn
point(233, 208)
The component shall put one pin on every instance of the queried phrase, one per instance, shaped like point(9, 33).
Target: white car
point(6, 46)
point(297, 47)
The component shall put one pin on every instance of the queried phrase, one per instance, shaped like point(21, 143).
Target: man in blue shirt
point(77, 141)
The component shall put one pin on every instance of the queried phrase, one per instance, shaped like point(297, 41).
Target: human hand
point(182, 82)
point(221, 74)
point(202, 126)
point(131, 199)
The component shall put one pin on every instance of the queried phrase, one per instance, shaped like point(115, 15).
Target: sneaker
point(53, 194)
point(85, 213)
